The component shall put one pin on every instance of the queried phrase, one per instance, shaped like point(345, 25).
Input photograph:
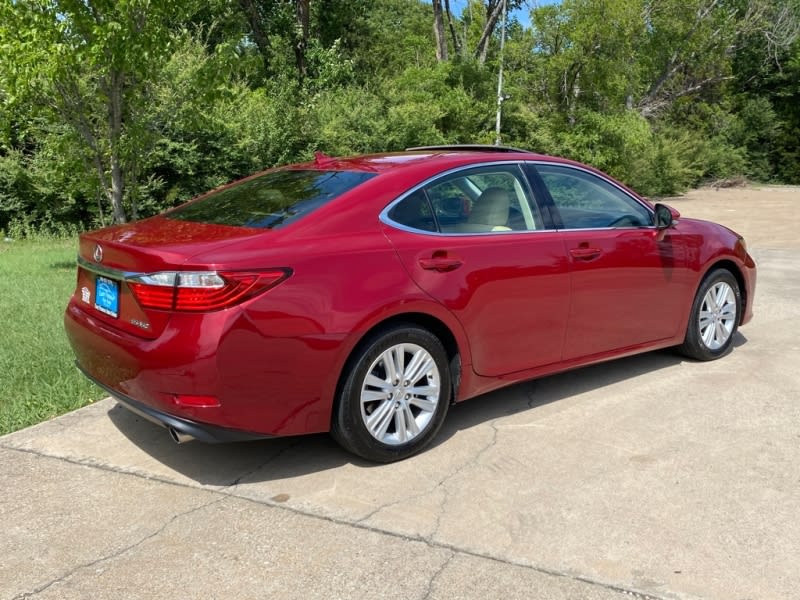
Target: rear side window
point(272, 200)
point(414, 212)
point(487, 199)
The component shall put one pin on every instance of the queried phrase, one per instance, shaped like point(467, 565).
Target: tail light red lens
point(201, 291)
point(153, 296)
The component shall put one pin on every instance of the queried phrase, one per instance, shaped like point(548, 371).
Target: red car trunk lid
point(109, 256)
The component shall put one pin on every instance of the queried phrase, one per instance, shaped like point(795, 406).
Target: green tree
point(88, 64)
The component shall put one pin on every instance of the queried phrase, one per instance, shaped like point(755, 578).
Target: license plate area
point(106, 296)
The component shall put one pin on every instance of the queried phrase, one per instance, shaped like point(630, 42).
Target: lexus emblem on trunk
point(98, 253)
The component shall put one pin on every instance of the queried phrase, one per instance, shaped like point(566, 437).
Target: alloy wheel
point(400, 394)
point(717, 315)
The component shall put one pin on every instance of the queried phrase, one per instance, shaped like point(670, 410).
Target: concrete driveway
point(648, 477)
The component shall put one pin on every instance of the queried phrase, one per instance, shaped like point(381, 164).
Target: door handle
point(440, 262)
point(585, 253)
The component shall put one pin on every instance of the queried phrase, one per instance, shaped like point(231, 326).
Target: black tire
point(400, 411)
point(695, 344)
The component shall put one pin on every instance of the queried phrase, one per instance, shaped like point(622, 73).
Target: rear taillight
point(201, 291)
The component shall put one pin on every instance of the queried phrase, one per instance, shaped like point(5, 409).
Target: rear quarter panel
point(290, 345)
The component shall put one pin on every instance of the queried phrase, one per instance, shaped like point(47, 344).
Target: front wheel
point(715, 315)
point(395, 395)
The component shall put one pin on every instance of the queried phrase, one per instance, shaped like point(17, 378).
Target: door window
point(586, 201)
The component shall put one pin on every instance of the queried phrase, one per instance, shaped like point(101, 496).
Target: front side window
point(586, 201)
point(477, 200)
point(271, 200)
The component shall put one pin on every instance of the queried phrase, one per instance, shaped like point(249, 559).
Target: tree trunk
point(457, 45)
point(115, 85)
point(653, 100)
point(301, 36)
point(438, 31)
point(260, 36)
point(493, 10)
point(117, 189)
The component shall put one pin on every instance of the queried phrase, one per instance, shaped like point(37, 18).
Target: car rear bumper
point(204, 432)
point(262, 385)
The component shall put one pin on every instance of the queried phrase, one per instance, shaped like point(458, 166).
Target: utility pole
point(500, 96)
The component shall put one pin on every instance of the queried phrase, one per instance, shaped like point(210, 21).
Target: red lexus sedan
point(363, 295)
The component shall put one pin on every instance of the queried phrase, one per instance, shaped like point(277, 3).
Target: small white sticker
point(86, 295)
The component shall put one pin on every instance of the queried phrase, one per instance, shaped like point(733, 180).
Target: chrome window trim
point(384, 214)
point(610, 182)
point(467, 234)
point(627, 228)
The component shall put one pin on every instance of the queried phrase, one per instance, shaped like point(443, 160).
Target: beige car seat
point(489, 212)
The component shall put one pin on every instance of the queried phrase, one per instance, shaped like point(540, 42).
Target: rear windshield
point(271, 200)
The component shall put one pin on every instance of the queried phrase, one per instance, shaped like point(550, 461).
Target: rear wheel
point(395, 395)
point(715, 315)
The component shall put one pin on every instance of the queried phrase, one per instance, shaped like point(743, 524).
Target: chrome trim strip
point(628, 228)
point(104, 270)
point(451, 234)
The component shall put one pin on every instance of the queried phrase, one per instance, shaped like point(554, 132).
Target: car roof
point(442, 157)
point(426, 161)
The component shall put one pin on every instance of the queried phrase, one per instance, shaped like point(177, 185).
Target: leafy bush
point(16, 188)
point(347, 120)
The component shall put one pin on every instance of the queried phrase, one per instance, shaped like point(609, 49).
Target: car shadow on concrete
point(282, 458)
point(228, 464)
point(536, 393)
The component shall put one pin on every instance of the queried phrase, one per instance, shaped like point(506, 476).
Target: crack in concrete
point(256, 469)
point(226, 493)
point(116, 554)
point(440, 484)
point(435, 577)
point(437, 523)
point(472, 462)
point(404, 500)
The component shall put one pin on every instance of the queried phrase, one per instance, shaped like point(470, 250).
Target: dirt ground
point(760, 213)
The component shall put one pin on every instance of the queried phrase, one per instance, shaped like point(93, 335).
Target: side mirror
point(665, 216)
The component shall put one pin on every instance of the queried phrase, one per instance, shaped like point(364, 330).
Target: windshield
point(272, 200)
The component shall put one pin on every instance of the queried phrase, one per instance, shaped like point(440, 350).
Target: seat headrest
point(491, 207)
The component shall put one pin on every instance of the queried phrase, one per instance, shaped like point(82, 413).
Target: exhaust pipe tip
point(178, 437)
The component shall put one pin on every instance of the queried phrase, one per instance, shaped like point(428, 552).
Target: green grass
point(38, 378)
